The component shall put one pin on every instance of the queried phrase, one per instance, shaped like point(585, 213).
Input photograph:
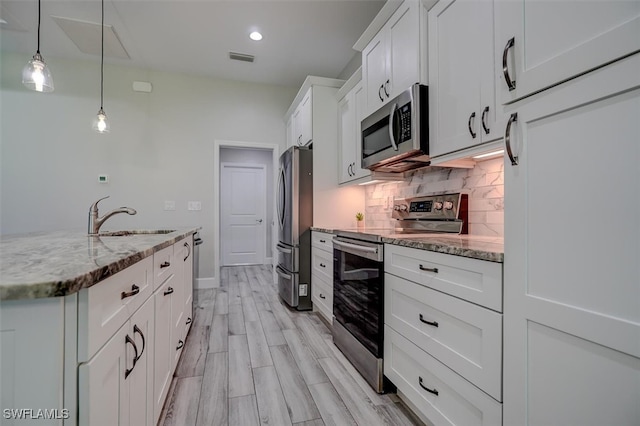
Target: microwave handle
point(394, 108)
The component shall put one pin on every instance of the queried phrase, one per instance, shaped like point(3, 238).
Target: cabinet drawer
point(162, 266)
point(457, 401)
point(477, 281)
point(322, 240)
point(322, 296)
point(465, 337)
point(107, 305)
point(322, 264)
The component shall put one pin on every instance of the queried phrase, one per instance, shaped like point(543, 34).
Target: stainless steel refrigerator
point(295, 217)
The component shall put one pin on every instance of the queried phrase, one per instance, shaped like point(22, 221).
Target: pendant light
point(36, 74)
point(100, 123)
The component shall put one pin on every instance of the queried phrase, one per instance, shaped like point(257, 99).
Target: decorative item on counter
point(36, 74)
point(100, 123)
point(360, 220)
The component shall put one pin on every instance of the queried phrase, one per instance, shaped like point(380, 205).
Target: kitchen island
point(91, 328)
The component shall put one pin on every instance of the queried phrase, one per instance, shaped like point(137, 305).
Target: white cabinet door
point(374, 71)
point(297, 126)
point(347, 130)
point(461, 83)
point(572, 289)
point(103, 394)
point(403, 36)
point(141, 378)
point(305, 117)
point(187, 259)
point(556, 40)
point(164, 349)
point(290, 132)
point(359, 103)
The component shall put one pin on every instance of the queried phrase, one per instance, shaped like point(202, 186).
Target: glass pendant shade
point(37, 76)
point(100, 123)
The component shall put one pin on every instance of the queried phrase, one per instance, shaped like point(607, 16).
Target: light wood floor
point(249, 360)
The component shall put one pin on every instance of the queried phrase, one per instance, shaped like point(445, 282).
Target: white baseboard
point(209, 282)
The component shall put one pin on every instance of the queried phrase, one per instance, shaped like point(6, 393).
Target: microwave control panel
point(404, 125)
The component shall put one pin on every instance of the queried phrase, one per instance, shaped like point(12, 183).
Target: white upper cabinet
point(391, 60)
point(300, 124)
point(349, 132)
point(541, 43)
point(462, 95)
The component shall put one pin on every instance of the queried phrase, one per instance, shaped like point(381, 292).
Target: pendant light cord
point(38, 51)
point(102, 59)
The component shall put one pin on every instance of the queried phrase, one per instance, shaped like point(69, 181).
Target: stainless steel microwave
point(395, 138)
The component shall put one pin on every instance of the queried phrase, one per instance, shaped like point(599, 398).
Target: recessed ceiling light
point(256, 36)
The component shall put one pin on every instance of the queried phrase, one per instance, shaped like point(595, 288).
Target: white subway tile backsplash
point(484, 184)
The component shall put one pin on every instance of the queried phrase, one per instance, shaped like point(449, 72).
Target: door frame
point(275, 154)
point(262, 250)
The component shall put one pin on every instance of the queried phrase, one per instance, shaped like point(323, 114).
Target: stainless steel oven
point(358, 304)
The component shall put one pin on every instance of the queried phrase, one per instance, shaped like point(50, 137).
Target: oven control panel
point(431, 207)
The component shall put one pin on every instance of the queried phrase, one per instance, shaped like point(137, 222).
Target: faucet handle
point(94, 206)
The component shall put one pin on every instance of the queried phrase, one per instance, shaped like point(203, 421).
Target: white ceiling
point(301, 37)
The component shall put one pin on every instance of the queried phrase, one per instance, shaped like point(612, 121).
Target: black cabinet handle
point(189, 247)
point(386, 92)
point(433, 391)
point(435, 270)
point(507, 139)
point(188, 321)
point(128, 371)
point(433, 323)
point(136, 329)
point(485, 111)
point(323, 241)
point(180, 345)
point(165, 265)
point(134, 290)
point(471, 117)
point(322, 296)
point(511, 84)
point(323, 265)
point(169, 291)
point(379, 94)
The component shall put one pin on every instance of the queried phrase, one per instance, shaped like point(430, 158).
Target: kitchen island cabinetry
point(540, 44)
point(322, 274)
point(101, 334)
point(444, 353)
point(572, 290)
point(462, 94)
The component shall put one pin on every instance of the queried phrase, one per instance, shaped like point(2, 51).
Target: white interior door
point(243, 211)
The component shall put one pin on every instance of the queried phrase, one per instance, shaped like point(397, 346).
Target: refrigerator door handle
point(283, 249)
point(282, 197)
point(280, 272)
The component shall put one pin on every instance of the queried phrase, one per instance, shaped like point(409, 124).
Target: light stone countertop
point(52, 264)
point(472, 246)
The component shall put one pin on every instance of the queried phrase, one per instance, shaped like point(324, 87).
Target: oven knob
point(396, 207)
point(448, 205)
point(403, 207)
point(437, 205)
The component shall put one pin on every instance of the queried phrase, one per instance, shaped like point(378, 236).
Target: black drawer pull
point(180, 345)
point(136, 329)
point(433, 391)
point(433, 323)
point(322, 296)
point(323, 265)
point(165, 265)
point(323, 241)
point(134, 290)
point(188, 321)
point(434, 270)
point(169, 291)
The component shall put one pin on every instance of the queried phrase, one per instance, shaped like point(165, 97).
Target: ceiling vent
point(241, 57)
point(86, 36)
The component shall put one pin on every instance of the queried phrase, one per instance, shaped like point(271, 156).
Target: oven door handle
point(282, 274)
point(358, 247)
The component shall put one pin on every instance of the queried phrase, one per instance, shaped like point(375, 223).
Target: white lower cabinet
point(443, 335)
point(163, 348)
point(322, 274)
point(438, 394)
point(115, 386)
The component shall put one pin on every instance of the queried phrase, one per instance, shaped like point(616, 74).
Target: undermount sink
point(135, 232)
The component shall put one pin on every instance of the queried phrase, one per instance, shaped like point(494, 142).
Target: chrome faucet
point(95, 223)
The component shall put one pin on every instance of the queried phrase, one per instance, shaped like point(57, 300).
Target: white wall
point(256, 156)
point(160, 146)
